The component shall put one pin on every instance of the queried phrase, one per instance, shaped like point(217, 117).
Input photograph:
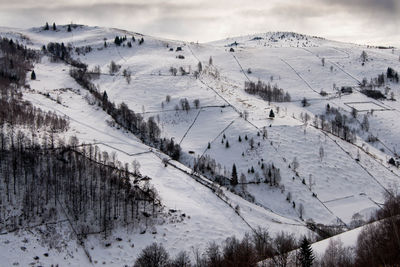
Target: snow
point(341, 185)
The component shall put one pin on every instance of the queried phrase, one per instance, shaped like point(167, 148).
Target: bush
point(375, 94)
point(154, 255)
point(113, 68)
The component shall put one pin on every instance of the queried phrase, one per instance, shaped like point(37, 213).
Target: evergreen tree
point(117, 41)
point(69, 28)
point(46, 27)
point(306, 255)
point(199, 67)
point(33, 75)
point(54, 26)
point(234, 180)
point(240, 139)
point(271, 114)
point(304, 102)
point(105, 97)
point(209, 145)
point(227, 144)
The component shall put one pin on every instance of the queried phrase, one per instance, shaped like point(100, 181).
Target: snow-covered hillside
point(326, 187)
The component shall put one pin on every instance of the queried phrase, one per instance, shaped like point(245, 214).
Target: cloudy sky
point(360, 21)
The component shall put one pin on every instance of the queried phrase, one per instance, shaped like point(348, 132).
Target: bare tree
point(243, 181)
point(295, 164)
point(153, 255)
point(136, 167)
point(321, 153)
point(364, 56)
point(113, 67)
point(301, 210)
point(196, 103)
point(337, 255)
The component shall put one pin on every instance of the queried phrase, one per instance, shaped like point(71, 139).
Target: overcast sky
point(359, 21)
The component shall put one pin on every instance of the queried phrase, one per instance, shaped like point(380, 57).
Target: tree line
point(39, 184)
point(266, 91)
point(337, 124)
point(233, 252)
point(15, 60)
point(59, 51)
point(378, 244)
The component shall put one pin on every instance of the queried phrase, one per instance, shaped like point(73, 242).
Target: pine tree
point(117, 41)
point(240, 139)
point(306, 255)
point(227, 144)
point(105, 97)
point(33, 75)
point(69, 28)
point(209, 145)
point(54, 26)
point(271, 114)
point(46, 27)
point(234, 180)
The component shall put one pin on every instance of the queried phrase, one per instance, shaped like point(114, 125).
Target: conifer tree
point(234, 180)
point(33, 75)
point(69, 28)
point(117, 41)
point(306, 255)
point(46, 27)
point(271, 114)
point(54, 26)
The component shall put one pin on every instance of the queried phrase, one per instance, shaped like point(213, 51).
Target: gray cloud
point(385, 6)
point(206, 20)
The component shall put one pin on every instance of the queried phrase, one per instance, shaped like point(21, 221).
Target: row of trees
point(391, 75)
point(248, 252)
point(59, 51)
point(377, 245)
point(54, 27)
point(15, 111)
point(337, 124)
point(267, 92)
point(148, 132)
point(120, 40)
point(15, 60)
point(43, 184)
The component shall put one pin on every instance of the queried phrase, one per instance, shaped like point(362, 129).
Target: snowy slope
point(340, 185)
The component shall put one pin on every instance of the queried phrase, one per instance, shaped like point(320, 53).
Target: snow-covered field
point(347, 179)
